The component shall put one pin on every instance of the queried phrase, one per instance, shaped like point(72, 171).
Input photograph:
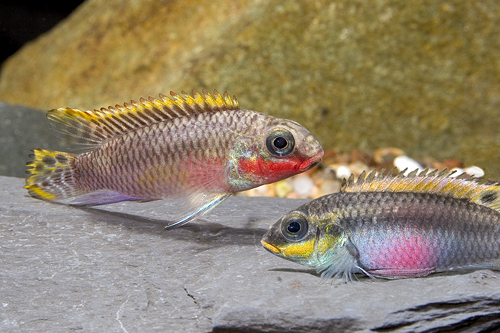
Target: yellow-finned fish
point(394, 227)
point(197, 150)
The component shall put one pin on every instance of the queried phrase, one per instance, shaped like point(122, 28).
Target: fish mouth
point(271, 248)
point(311, 163)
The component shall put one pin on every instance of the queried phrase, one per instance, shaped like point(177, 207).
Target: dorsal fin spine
point(455, 188)
point(209, 99)
point(361, 177)
point(156, 107)
point(477, 190)
point(413, 173)
point(442, 173)
point(423, 173)
point(390, 181)
point(192, 103)
point(219, 100)
point(463, 192)
point(94, 127)
point(128, 119)
point(228, 100)
point(371, 175)
point(145, 117)
point(401, 174)
point(118, 121)
point(423, 185)
point(115, 123)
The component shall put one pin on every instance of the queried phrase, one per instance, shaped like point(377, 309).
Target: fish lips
point(311, 163)
point(269, 247)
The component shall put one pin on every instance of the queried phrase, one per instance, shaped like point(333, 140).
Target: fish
point(194, 150)
point(401, 226)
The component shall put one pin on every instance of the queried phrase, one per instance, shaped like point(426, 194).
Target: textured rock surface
point(66, 269)
point(360, 75)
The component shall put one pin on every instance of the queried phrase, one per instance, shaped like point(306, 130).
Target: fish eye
point(294, 228)
point(280, 143)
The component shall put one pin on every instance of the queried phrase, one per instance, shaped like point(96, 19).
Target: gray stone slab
point(21, 130)
point(115, 269)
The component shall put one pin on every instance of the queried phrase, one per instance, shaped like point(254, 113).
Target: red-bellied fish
point(196, 150)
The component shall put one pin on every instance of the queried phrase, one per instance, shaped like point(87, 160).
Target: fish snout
point(311, 162)
point(312, 150)
point(271, 248)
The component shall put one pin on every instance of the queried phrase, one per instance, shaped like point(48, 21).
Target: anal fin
point(101, 197)
point(401, 273)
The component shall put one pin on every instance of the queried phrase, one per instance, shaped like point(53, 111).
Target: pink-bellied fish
point(196, 150)
point(394, 227)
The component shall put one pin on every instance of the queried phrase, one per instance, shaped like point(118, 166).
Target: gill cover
point(319, 244)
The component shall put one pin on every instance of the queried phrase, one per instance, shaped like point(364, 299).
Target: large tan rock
point(423, 77)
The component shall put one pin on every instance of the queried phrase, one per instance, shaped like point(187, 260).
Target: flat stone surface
point(115, 269)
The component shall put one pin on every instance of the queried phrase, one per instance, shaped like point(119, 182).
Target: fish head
point(277, 149)
point(289, 147)
point(302, 238)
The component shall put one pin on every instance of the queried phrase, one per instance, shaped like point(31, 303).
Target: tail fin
point(51, 175)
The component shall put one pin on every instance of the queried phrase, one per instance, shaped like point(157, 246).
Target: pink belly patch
point(400, 253)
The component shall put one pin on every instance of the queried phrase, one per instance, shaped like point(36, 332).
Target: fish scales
point(196, 150)
point(436, 229)
point(449, 224)
point(137, 152)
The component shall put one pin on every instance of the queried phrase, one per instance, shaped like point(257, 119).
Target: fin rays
point(93, 127)
point(340, 263)
point(51, 176)
point(477, 190)
point(199, 206)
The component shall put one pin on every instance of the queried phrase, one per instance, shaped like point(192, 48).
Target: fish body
point(394, 227)
point(196, 150)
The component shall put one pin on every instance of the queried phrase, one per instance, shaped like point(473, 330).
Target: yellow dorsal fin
point(477, 190)
point(93, 127)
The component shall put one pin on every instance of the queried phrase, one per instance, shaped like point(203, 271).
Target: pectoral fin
point(196, 205)
point(341, 262)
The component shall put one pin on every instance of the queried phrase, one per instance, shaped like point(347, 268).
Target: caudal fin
point(51, 175)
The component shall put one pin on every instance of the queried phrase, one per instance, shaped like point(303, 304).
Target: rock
point(359, 75)
point(472, 171)
point(283, 187)
point(21, 130)
point(387, 154)
point(330, 186)
point(303, 186)
point(115, 269)
point(341, 171)
point(406, 163)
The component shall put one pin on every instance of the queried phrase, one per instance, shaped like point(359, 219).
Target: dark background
point(22, 21)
